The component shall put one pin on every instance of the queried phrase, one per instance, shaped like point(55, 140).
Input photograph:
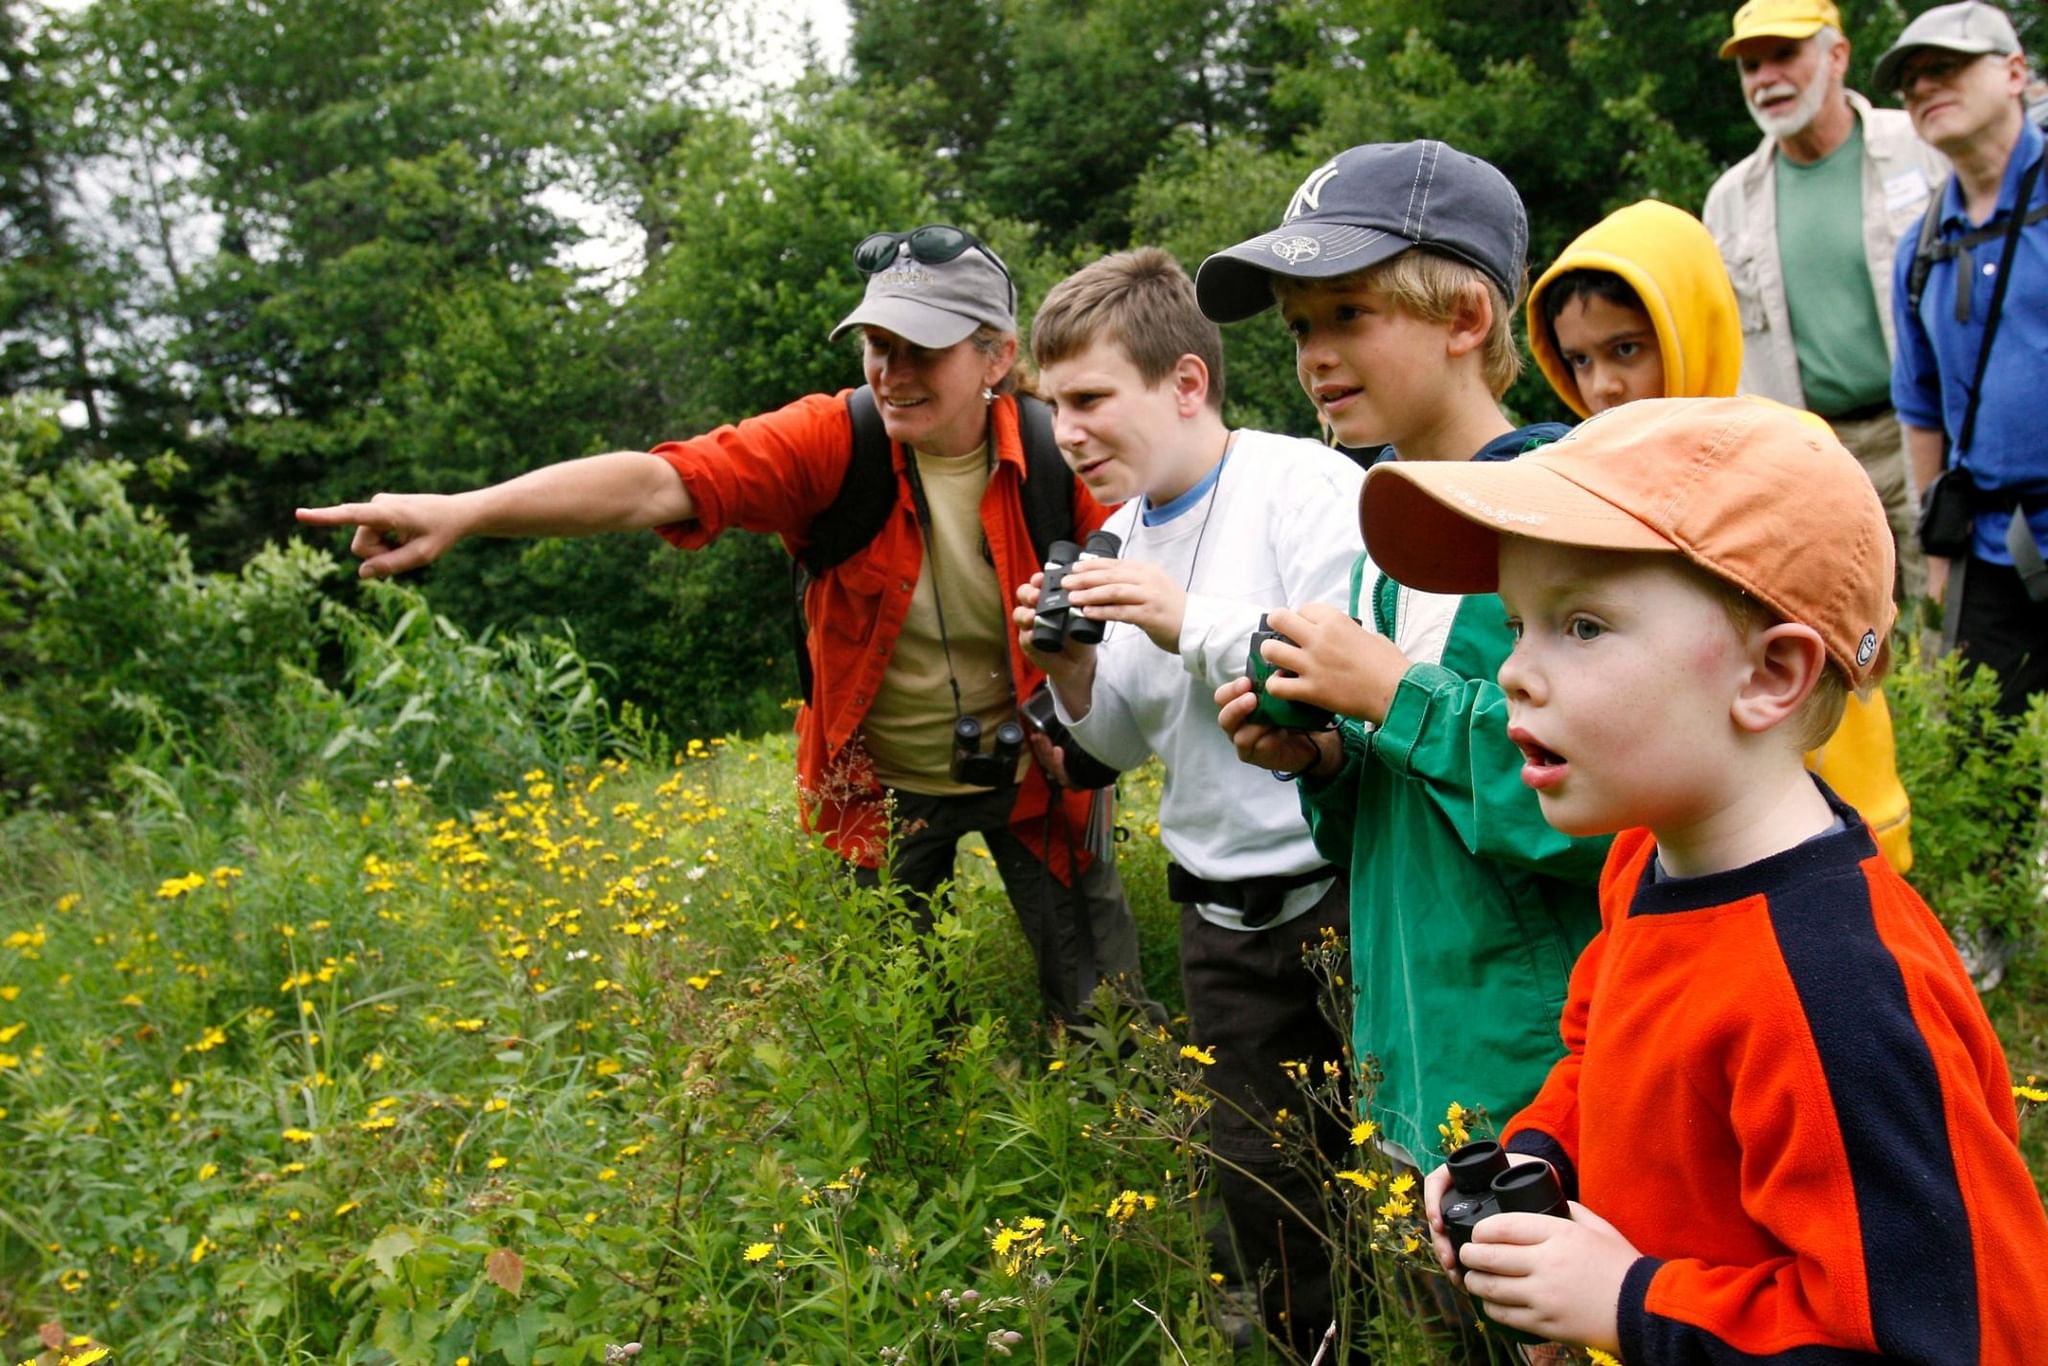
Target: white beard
point(1803, 112)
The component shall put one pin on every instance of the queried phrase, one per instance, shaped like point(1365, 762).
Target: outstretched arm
point(622, 491)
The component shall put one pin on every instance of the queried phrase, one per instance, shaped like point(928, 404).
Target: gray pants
point(1079, 935)
point(1880, 445)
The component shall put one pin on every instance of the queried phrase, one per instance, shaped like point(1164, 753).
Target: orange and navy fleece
point(1780, 1086)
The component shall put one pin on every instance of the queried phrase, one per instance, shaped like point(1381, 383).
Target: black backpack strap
point(1924, 250)
point(866, 491)
point(1048, 484)
point(857, 512)
point(1932, 248)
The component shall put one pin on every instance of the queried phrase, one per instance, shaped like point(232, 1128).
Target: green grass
point(619, 1058)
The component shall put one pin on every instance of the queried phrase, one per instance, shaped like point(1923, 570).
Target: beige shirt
point(909, 729)
point(1899, 173)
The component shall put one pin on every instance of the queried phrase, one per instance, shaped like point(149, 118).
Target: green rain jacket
point(1467, 909)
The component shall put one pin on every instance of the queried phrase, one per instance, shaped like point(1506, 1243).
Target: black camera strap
point(867, 491)
point(2005, 259)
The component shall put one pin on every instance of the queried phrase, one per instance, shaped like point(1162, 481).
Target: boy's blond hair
point(1432, 286)
point(1141, 300)
point(1819, 715)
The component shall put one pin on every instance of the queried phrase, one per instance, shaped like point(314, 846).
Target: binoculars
point(1279, 711)
point(998, 767)
point(1084, 770)
point(1057, 621)
point(1483, 1184)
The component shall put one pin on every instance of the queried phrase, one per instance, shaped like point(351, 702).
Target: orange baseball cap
point(1781, 19)
point(1755, 493)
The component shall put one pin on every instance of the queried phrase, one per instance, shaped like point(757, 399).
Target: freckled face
point(1620, 686)
point(1611, 350)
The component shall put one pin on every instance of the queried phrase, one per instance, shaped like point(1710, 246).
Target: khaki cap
point(1757, 494)
point(1972, 29)
point(1781, 19)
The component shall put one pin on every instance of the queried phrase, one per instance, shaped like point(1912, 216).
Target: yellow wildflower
point(1200, 1055)
point(497, 1160)
point(298, 1135)
point(758, 1252)
point(1362, 1132)
point(170, 889)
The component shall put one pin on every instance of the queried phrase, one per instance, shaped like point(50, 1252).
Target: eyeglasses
point(1937, 65)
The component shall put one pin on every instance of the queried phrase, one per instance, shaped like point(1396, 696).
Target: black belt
point(1881, 408)
point(1258, 899)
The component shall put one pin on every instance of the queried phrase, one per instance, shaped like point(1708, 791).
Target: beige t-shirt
point(909, 729)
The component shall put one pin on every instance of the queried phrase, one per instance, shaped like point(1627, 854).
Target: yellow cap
point(1781, 19)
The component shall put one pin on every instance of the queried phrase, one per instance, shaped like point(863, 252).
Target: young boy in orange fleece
point(1640, 306)
point(1788, 1119)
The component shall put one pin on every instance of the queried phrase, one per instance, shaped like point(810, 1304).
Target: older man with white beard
point(1809, 224)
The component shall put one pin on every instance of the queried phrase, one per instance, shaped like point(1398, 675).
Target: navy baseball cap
point(1366, 205)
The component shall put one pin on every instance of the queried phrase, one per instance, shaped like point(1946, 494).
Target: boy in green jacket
point(1467, 909)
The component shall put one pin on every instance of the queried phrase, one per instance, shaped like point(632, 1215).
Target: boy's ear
point(1785, 663)
point(1190, 380)
point(1471, 321)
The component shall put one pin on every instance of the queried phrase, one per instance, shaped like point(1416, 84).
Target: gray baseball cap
point(936, 305)
point(1970, 27)
point(1366, 205)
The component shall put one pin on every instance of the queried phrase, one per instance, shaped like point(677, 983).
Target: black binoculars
point(998, 767)
point(1084, 770)
point(1057, 621)
point(1279, 711)
point(1483, 1184)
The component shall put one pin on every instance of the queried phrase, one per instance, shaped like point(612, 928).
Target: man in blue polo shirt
point(1960, 73)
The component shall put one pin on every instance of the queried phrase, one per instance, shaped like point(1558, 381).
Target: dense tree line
point(290, 251)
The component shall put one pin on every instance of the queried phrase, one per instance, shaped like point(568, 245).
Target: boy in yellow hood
point(1640, 306)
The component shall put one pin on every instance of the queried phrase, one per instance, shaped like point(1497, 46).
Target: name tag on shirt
point(1906, 193)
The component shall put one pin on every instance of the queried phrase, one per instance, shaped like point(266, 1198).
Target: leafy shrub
point(1976, 783)
point(123, 669)
point(114, 646)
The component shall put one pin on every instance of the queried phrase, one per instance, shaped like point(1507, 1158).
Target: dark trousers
point(1255, 1004)
point(2000, 626)
point(1079, 935)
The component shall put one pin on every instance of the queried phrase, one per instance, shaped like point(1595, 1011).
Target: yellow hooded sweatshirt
point(1667, 257)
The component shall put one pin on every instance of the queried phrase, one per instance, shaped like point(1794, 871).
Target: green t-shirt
point(1843, 364)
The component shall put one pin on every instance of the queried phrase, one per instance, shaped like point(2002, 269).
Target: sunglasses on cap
point(934, 244)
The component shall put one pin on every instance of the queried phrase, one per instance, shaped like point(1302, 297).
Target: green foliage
point(1976, 783)
point(618, 1056)
point(337, 247)
point(115, 646)
point(122, 666)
